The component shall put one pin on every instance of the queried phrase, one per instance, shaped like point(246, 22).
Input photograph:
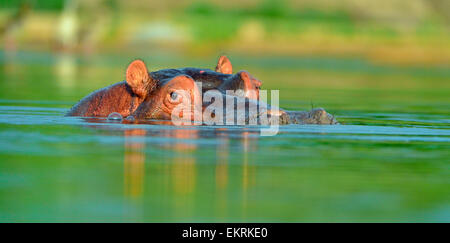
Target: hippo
point(140, 85)
point(159, 94)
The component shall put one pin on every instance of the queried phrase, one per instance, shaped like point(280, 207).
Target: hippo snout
point(314, 116)
point(322, 117)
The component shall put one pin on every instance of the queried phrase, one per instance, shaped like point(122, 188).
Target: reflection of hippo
point(155, 95)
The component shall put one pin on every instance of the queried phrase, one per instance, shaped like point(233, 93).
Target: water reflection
point(180, 156)
point(222, 152)
point(183, 169)
point(248, 169)
point(134, 159)
point(222, 160)
point(175, 172)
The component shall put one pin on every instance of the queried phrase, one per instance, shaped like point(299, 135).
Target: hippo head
point(162, 98)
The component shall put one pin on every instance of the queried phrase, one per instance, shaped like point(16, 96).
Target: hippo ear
point(138, 79)
point(251, 85)
point(224, 65)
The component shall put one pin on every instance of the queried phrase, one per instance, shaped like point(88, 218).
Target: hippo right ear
point(138, 79)
point(224, 65)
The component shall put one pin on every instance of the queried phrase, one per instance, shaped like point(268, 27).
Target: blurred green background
point(394, 31)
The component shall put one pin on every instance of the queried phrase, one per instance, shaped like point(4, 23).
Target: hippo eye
point(174, 96)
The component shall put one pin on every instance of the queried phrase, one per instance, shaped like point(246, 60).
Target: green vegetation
point(413, 32)
point(52, 5)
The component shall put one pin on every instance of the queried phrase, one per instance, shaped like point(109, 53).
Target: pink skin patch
point(202, 71)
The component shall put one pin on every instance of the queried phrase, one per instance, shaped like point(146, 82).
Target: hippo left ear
point(138, 79)
point(224, 66)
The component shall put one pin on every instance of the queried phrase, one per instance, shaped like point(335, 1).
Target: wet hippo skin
point(156, 95)
point(140, 85)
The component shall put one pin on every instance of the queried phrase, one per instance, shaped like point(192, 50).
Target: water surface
point(389, 161)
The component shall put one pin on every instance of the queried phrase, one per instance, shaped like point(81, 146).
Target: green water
point(389, 161)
